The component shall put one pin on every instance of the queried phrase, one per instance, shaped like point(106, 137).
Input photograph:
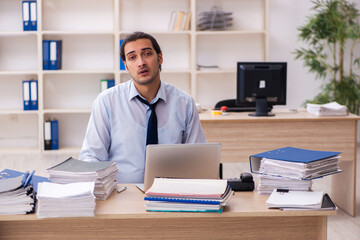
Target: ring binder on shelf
point(47, 135)
point(55, 54)
point(26, 94)
point(46, 54)
point(54, 135)
point(33, 16)
point(34, 95)
point(26, 15)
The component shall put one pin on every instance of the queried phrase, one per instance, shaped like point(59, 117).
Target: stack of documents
point(268, 183)
point(295, 163)
point(292, 168)
point(188, 195)
point(73, 170)
point(300, 200)
point(328, 109)
point(15, 198)
point(66, 200)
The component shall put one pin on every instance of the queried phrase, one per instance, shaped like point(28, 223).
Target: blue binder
point(55, 54)
point(110, 83)
point(34, 95)
point(47, 135)
point(122, 65)
point(54, 135)
point(32, 179)
point(26, 15)
point(33, 16)
point(46, 54)
point(26, 94)
point(292, 154)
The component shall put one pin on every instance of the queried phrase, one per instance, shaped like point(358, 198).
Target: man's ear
point(160, 56)
point(126, 68)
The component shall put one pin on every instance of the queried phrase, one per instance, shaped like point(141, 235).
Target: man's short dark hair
point(135, 36)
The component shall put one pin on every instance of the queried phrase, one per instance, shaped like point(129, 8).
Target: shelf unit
point(91, 31)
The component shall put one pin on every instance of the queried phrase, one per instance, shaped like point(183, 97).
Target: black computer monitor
point(263, 83)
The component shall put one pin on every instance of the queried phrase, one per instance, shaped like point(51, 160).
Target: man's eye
point(131, 58)
point(148, 53)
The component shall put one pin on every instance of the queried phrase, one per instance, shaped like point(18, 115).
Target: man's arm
point(97, 138)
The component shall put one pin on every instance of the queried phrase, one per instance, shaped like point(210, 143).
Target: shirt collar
point(133, 92)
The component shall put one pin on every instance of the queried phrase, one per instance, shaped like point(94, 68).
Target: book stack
point(179, 21)
point(73, 170)
point(16, 197)
point(328, 109)
point(292, 168)
point(66, 200)
point(187, 195)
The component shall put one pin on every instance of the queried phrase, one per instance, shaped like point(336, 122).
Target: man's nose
point(141, 62)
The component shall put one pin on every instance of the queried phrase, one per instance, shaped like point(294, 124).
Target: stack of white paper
point(66, 200)
point(328, 109)
point(187, 195)
point(73, 170)
point(268, 183)
point(299, 170)
point(14, 199)
point(295, 199)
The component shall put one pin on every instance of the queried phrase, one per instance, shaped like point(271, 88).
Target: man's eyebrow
point(143, 49)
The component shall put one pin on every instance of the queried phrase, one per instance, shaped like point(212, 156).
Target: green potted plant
point(331, 35)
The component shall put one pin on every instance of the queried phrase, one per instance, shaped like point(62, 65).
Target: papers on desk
point(14, 197)
point(292, 168)
point(66, 200)
point(73, 170)
point(267, 184)
point(188, 195)
point(300, 200)
point(295, 163)
point(328, 109)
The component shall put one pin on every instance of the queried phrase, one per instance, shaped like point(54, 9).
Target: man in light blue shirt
point(117, 128)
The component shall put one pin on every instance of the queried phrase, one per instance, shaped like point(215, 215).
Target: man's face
point(142, 62)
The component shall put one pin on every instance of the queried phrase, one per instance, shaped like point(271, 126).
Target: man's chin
point(144, 81)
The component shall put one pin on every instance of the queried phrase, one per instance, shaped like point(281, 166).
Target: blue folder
point(110, 83)
point(33, 16)
point(122, 65)
point(26, 94)
point(34, 95)
point(54, 135)
point(55, 54)
point(46, 54)
point(291, 154)
point(26, 15)
point(29, 178)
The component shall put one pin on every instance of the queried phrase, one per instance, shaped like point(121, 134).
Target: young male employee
point(122, 121)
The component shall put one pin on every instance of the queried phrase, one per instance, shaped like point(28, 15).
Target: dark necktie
point(152, 133)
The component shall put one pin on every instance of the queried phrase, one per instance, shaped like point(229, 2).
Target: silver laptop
point(181, 161)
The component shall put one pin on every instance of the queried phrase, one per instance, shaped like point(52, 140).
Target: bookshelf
point(91, 31)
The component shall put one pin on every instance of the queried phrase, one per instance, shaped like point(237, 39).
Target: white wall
point(284, 18)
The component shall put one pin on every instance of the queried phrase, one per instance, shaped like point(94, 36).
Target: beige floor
point(341, 226)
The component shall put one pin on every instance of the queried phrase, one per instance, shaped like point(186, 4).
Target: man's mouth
point(143, 71)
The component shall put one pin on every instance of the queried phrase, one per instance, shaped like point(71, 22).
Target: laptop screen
point(199, 161)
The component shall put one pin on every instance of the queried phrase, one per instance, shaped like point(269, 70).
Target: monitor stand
point(261, 108)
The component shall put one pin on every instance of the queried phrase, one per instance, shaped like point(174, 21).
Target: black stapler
point(244, 183)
